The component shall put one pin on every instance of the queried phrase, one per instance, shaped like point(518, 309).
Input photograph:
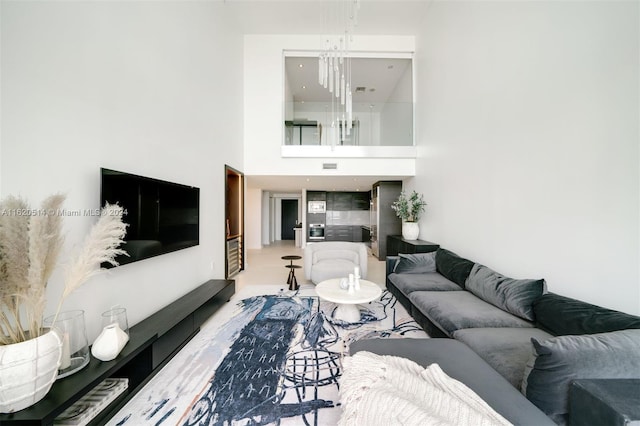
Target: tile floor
point(265, 267)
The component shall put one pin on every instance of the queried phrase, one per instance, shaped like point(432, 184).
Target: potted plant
point(30, 243)
point(409, 210)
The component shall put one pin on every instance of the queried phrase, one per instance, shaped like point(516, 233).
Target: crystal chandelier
point(334, 64)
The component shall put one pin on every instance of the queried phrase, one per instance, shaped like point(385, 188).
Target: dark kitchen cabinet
point(338, 233)
point(316, 196)
point(329, 233)
point(360, 201)
point(347, 201)
point(341, 201)
point(356, 233)
point(330, 200)
point(343, 233)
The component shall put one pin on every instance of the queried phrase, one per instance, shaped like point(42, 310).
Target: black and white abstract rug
point(264, 359)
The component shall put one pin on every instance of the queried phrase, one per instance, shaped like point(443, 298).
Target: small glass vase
point(116, 316)
point(114, 335)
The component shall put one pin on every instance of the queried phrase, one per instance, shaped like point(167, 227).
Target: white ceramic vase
point(27, 371)
point(410, 230)
point(109, 343)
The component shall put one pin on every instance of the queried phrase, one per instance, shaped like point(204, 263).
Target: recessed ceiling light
point(304, 87)
point(308, 179)
point(300, 65)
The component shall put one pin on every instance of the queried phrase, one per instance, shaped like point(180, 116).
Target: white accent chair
point(334, 259)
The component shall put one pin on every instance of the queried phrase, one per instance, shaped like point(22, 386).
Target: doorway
point(289, 219)
point(234, 221)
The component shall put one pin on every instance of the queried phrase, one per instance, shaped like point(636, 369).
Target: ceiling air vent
point(329, 166)
point(361, 89)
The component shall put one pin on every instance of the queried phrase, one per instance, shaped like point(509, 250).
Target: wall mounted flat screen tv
point(162, 216)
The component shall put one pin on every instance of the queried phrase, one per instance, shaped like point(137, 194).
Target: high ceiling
point(376, 17)
point(378, 77)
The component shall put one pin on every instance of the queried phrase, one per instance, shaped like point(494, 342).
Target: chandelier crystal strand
point(330, 72)
point(336, 70)
point(334, 65)
point(325, 60)
point(349, 105)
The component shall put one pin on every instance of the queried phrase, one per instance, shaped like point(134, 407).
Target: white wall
point(252, 219)
point(133, 86)
point(528, 141)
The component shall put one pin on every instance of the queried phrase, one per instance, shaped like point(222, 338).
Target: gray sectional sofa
point(538, 342)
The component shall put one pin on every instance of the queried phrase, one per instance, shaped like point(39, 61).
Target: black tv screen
point(162, 216)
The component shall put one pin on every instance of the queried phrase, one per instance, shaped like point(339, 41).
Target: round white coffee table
point(347, 309)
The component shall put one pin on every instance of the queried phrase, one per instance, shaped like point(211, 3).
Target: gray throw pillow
point(513, 296)
point(453, 267)
point(418, 263)
point(557, 361)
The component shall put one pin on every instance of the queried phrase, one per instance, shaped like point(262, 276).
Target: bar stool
point(291, 280)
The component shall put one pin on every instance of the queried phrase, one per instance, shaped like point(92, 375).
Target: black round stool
point(291, 280)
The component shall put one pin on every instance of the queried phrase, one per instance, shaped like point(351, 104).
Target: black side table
point(291, 280)
point(396, 244)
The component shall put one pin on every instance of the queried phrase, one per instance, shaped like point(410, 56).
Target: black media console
point(152, 343)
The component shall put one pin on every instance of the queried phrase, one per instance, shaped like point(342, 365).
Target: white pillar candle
point(65, 360)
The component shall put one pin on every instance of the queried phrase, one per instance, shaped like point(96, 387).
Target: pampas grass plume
point(45, 244)
point(14, 245)
point(30, 244)
point(100, 246)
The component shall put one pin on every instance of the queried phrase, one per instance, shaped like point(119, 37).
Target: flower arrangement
point(409, 209)
point(30, 243)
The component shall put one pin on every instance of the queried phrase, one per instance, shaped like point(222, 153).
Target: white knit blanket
point(389, 390)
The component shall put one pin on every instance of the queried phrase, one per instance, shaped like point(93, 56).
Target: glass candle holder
point(116, 316)
point(75, 347)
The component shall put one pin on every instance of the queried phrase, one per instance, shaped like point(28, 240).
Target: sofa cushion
point(515, 296)
point(455, 310)
point(408, 283)
point(320, 255)
point(562, 315)
point(505, 349)
point(452, 266)
point(418, 263)
point(556, 362)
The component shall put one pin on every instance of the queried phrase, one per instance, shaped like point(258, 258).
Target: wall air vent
point(361, 89)
point(329, 166)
